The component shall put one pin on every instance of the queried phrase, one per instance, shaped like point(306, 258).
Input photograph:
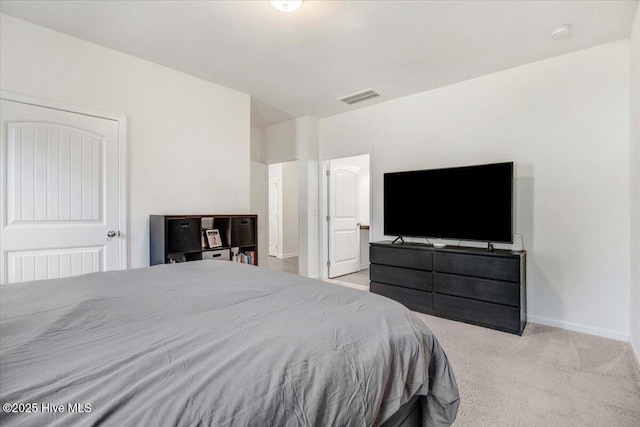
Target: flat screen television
point(462, 203)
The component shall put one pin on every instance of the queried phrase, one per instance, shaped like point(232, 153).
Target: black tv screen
point(466, 203)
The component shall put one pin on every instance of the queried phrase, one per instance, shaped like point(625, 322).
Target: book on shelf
point(248, 257)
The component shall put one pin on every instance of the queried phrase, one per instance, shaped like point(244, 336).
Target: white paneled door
point(60, 210)
point(344, 229)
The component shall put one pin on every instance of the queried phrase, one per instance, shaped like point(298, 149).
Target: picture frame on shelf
point(214, 240)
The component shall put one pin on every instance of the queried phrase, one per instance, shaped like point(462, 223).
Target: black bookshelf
point(180, 238)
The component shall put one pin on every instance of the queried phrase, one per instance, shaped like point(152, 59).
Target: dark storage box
point(242, 231)
point(183, 235)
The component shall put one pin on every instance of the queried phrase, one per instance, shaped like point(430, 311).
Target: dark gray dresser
point(466, 284)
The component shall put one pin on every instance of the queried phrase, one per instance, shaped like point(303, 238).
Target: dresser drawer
point(399, 257)
point(479, 289)
point(412, 299)
point(407, 278)
point(488, 267)
point(488, 314)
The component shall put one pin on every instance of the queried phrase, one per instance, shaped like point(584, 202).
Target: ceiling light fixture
point(561, 32)
point(286, 5)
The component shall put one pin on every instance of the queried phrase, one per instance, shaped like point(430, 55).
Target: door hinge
point(328, 172)
point(328, 218)
point(328, 263)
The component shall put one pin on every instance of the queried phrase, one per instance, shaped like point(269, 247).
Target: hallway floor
point(358, 280)
point(289, 265)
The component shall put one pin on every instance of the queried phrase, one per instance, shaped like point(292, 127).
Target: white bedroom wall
point(565, 123)
point(256, 138)
point(290, 211)
point(635, 183)
point(298, 139)
point(258, 206)
point(307, 137)
point(188, 138)
point(280, 142)
point(259, 191)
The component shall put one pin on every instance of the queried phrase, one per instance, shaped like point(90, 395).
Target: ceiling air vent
point(359, 97)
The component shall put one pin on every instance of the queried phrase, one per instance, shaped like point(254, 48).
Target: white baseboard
point(315, 276)
point(363, 266)
point(637, 352)
point(291, 255)
point(577, 327)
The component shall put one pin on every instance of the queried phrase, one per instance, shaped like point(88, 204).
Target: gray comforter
point(213, 343)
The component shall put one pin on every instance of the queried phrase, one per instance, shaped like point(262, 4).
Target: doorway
point(347, 209)
point(63, 201)
point(283, 233)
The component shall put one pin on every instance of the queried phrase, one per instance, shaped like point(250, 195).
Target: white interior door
point(60, 193)
point(344, 229)
point(273, 215)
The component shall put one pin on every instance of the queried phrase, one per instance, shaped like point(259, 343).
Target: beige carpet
point(547, 377)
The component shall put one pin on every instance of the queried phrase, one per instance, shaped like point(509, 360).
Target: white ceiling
point(298, 63)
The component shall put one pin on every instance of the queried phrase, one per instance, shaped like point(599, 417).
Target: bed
point(215, 343)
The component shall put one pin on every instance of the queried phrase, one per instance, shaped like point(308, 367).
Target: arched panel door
point(344, 229)
point(60, 211)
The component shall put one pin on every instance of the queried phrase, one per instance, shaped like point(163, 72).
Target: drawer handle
point(216, 255)
point(184, 224)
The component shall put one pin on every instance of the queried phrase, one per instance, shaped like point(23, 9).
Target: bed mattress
point(213, 343)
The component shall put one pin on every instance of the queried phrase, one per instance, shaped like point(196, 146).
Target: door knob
point(112, 233)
